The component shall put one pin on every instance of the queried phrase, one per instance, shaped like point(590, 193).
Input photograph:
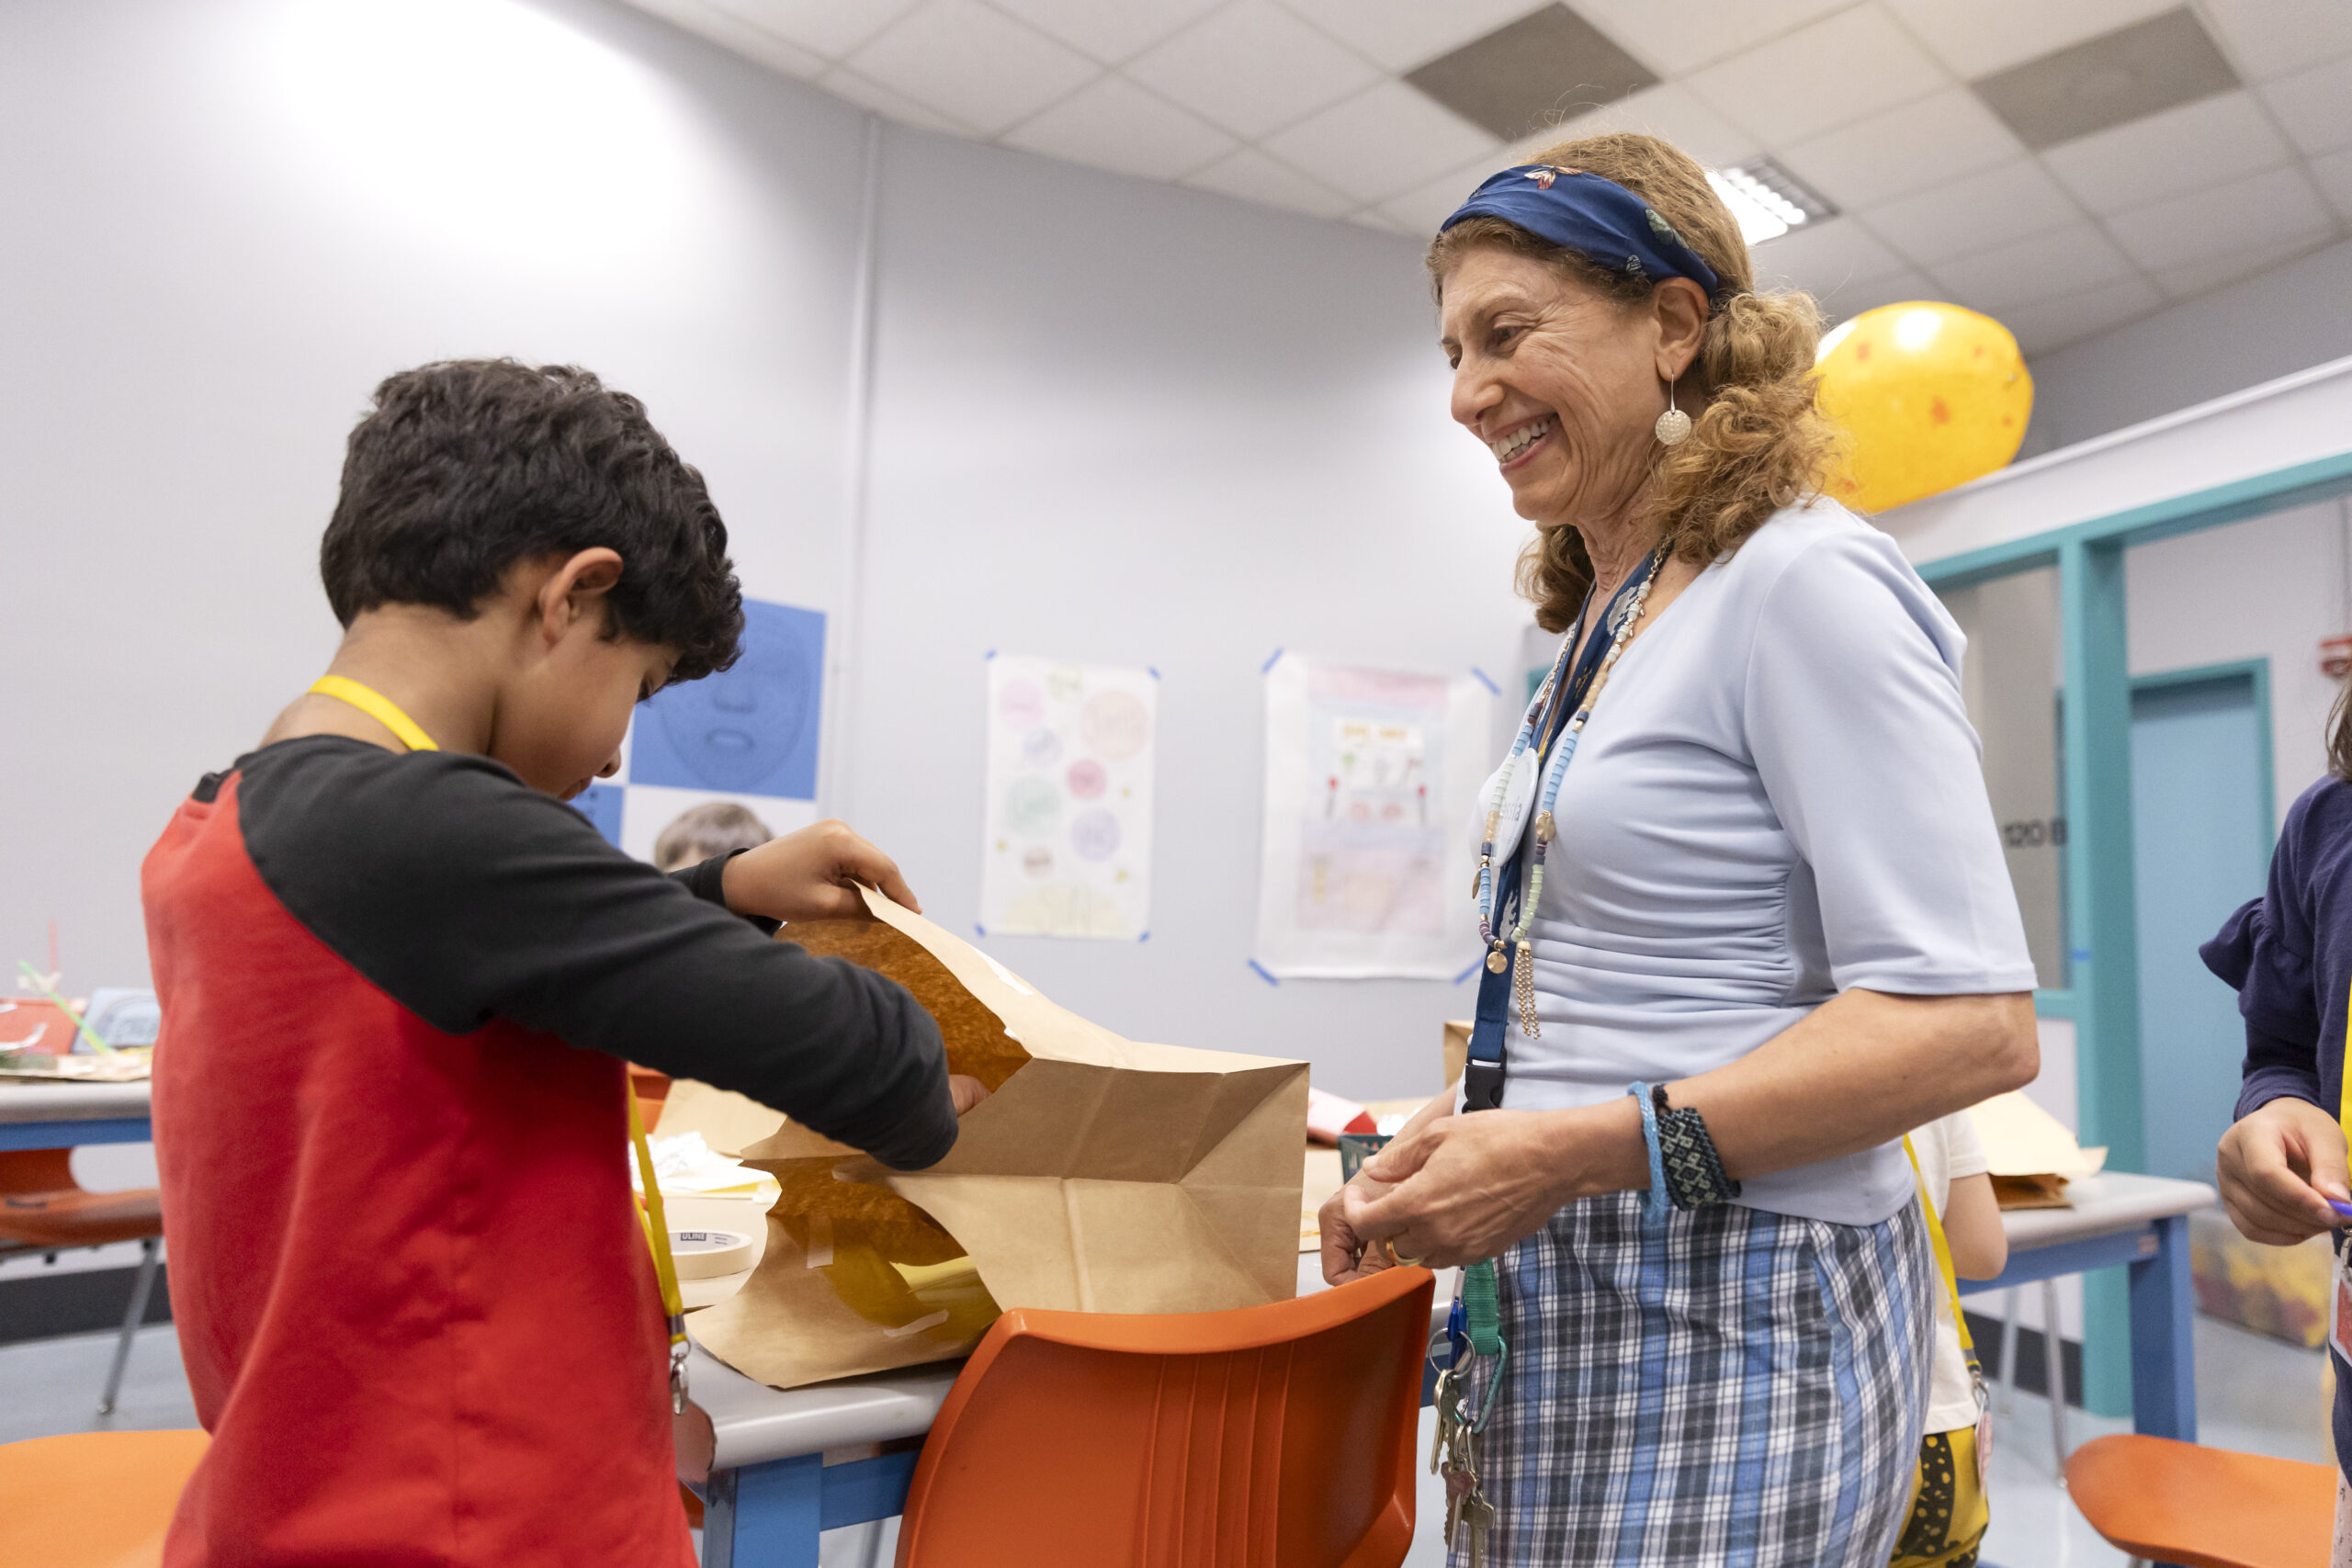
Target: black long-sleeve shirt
point(466, 896)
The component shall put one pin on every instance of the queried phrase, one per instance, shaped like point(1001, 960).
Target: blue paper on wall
point(749, 730)
point(601, 804)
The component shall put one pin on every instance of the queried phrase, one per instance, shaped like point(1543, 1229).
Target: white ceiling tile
point(729, 29)
point(2068, 318)
point(1679, 36)
point(1372, 218)
point(2074, 258)
point(2262, 209)
point(1976, 38)
point(1817, 78)
point(2195, 277)
point(2277, 38)
point(1853, 298)
point(1402, 34)
point(1422, 208)
point(2180, 149)
point(973, 63)
point(1974, 213)
point(2315, 105)
point(1938, 138)
point(1253, 68)
point(1253, 177)
point(1111, 32)
point(843, 83)
point(1385, 141)
point(1667, 112)
point(2334, 173)
point(1114, 124)
point(1822, 258)
point(830, 28)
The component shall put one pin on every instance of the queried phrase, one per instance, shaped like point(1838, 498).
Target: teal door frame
point(2257, 669)
point(2102, 993)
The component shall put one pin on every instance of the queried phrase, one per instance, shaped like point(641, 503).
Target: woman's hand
point(812, 874)
point(966, 1092)
point(2279, 1167)
point(1346, 1255)
point(1465, 1188)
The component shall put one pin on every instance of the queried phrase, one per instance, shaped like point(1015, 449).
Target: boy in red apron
point(400, 979)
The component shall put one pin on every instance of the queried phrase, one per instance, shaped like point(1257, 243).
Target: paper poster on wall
point(1370, 777)
point(747, 736)
point(1067, 850)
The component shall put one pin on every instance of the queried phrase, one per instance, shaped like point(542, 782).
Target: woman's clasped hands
point(1456, 1189)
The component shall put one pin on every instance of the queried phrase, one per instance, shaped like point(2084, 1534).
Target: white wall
point(2267, 326)
point(2269, 588)
point(226, 222)
point(1114, 421)
point(1128, 423)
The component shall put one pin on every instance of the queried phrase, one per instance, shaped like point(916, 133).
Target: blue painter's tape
point(1488, 679)
point(2082, 955)
point(1263, 972)
point(989, 654)
point(1466, 973)
point(1145, 937)
point(1272, 660)
point(979, 928)
point(1152, 671)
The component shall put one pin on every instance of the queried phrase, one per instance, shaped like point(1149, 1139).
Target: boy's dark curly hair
point(463, 468)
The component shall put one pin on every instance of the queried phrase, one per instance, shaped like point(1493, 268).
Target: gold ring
point(1400, 1257)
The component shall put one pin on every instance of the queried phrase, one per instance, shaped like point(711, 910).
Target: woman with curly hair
point(1746, 916)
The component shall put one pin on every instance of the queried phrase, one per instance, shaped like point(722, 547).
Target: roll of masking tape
point(704, 1254)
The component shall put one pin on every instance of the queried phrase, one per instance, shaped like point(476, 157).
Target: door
point(2201, 817)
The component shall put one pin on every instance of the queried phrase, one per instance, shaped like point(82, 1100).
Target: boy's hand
point(2279, 1167)
point(966, 1092)
point(812, 874)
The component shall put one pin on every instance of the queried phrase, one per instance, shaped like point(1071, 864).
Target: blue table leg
point(765, 1515)
point(2164, 1355)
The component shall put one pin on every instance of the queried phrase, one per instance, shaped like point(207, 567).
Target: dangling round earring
point(1673, 427)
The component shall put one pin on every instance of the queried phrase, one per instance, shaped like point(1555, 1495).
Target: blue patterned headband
point(1596, 218)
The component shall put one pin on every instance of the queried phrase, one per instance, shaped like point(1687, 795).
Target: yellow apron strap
point(1943, 1249)
point(378, 707)
point(665, 1267)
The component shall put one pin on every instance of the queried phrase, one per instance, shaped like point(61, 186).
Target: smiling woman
point(1760, 928)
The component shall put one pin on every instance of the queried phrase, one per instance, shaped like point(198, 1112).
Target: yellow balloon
point(1930, 396)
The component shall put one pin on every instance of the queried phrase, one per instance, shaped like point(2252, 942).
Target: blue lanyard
point(1482, 1076)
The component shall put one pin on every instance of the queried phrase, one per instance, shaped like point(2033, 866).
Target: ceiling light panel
point(1768, 200)
point(2111, 80)
point(1535, 72)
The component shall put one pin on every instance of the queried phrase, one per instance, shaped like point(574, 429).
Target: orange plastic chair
point(93, 1499)
point(43, 1208)
point(1269, 1437)
point(2165, 1500)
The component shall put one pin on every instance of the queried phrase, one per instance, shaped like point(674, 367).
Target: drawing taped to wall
point(1067, 843)
point(1369, 778)
point(747, 734)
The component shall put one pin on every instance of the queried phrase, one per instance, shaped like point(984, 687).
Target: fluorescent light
point(1767, 199)
point(1758, 222)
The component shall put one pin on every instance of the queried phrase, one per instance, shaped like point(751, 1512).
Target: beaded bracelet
point(1655, 1203)
point(1694, 1175)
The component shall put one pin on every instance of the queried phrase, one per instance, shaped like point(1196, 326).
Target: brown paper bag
point(1101, 1176)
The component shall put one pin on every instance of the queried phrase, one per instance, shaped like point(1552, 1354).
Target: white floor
point(2254, 1394)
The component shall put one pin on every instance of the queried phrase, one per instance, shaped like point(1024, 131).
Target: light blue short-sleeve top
point(1778, 795)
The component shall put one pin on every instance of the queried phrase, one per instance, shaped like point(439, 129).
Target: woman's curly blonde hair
point(1760, 443)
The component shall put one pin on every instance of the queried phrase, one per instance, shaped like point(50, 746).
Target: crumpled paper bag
point(1101, 1175)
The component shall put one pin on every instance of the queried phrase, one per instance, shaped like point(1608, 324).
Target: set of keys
point(1455, 1455)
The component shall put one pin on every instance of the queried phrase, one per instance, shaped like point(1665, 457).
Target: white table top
point(2104, 1204)
point(21, 1101)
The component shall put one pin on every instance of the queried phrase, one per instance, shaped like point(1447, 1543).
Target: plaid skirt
point(1722, 1387)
